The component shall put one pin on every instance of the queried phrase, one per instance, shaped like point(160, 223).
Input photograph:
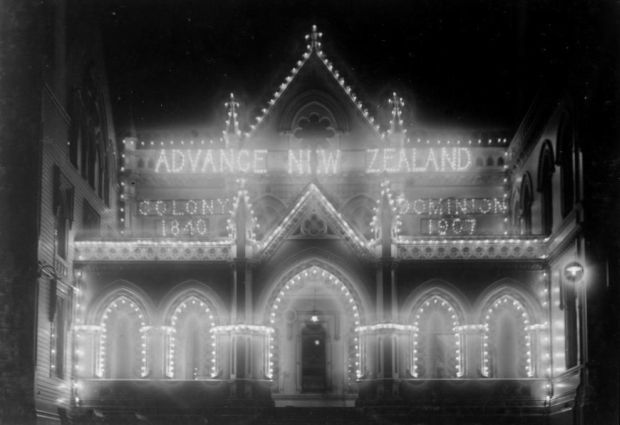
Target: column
point(86, 350)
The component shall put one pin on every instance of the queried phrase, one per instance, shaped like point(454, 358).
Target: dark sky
point(465, 62)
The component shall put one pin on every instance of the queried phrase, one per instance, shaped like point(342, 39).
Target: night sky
point(470, 63)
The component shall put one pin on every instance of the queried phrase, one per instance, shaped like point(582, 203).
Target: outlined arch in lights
point(348, 297)
point(504, 301)
point(135, 308)
point(431, 302)
point(182, 306)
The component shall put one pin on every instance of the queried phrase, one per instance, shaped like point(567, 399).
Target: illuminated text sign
point(309, 161)
point(452, 216)
point(184, 217)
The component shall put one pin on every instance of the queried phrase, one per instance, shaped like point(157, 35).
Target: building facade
point(320, 255)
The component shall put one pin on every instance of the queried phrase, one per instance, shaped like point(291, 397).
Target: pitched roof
point(314, 48)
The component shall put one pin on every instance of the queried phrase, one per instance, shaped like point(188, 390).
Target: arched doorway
point(315, 354)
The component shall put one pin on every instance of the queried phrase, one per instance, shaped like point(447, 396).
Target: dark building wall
point(20, 150)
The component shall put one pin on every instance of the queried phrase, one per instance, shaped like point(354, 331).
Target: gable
point(313, 217)
point(314, 86)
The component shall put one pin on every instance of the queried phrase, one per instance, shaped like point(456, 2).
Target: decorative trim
point(472, 249)
point(153, 250)
point(260, 329)
point(313, 197)
point(386, 326)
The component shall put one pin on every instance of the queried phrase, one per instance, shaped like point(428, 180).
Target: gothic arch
point(345, 312)
point(508, 315)
point(121, 288)
point(306, 259)
point(546, 168)
point(191, 313)
point(436, 286)
point(124, 318)
point(200, 291)
point(437, 315)
point(507, 286)
point(327, 101)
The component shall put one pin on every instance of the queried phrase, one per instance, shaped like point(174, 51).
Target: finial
point(396, 121)
point(315, 39)
point(232, 124)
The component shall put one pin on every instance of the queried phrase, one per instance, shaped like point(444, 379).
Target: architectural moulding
point(153, 250)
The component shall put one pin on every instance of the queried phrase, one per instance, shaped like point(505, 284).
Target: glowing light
point(507, 301)
point(415, 160)
point(434, 302)
point(200, 307)
point(121, 302)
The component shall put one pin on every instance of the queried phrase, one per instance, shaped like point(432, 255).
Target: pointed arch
point(440, 287)
point(191, 311)
point(507, 315)
point(546, 168)
point(193, 288)
point(304, 260)
point(339, 290)
point(437, 315)
point(124, 321)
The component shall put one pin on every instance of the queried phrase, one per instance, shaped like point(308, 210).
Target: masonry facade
point(320, 255)
point(325, 258)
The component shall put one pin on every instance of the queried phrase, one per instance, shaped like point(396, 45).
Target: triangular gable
point(314, 49)
point(312, 196)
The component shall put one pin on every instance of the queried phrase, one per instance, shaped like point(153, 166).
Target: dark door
point(313, 359)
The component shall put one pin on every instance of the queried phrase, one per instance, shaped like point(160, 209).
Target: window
point(525, 207)
point(63, 211)
point(566, 157)
point(569, 304)
point(60, 337)
point(88, 137)
point(546, 168)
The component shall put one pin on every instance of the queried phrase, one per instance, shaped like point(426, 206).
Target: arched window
point(190, 344)
point(507, 346)
point(525, 206)
point(437, 343)
point(566, 160)
point(546, 168)
point(123, 342)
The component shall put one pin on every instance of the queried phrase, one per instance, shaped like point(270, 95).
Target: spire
point(232, 123)
point(315, 40)
point(396, 121)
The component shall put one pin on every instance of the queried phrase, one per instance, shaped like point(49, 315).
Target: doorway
point(313, 359)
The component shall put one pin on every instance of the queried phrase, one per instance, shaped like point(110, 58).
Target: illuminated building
point(317, 256)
